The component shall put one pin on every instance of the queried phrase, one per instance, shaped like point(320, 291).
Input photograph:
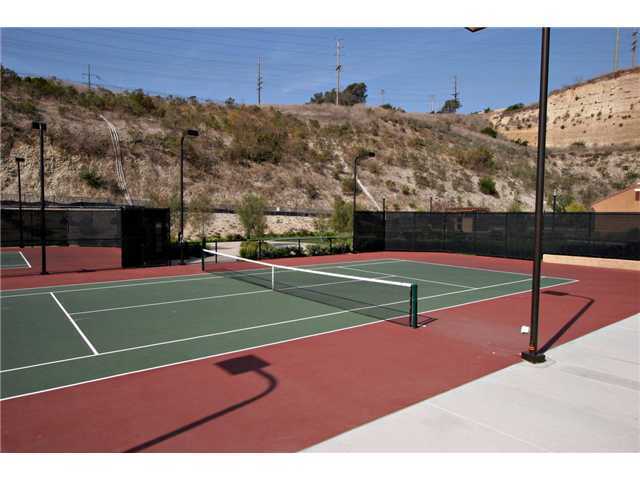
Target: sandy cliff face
point(601, 112)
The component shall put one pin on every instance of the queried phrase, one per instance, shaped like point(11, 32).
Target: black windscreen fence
point(145, 237)
point(370, 231)
point(63, 227)
point(605, 235)
point(140, 236)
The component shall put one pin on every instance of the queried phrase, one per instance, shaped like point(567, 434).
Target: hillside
point(294, 156)
point(603, 111)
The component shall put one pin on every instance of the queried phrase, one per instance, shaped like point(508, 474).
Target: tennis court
point(59, 336)
point(13, 259)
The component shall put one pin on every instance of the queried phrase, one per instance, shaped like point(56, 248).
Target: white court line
point(184, 300)
point(477, 268)
point(399, 275)
point(141, 282)
point(204, 357)
point(25, 259)
point(84, 337)
point(460, 266)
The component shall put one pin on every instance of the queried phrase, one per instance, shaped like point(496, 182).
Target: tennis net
point(375, 296)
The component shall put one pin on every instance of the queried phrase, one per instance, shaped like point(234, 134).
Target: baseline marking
point(84, 337)
point(25, 259)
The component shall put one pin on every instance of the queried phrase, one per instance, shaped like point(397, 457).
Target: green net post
point(414, 306)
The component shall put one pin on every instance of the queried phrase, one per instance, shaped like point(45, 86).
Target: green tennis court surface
point(59, 336)
point(13, 259)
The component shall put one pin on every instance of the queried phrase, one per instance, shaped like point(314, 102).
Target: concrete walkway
point(585, 398)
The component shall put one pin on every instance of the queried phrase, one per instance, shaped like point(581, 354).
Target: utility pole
point(259, 80)
point(634, 48)
point(432, 103)
point(455, 93)
point(338, 70)
point(616, 52)
point(89, 75)
point(382, 96)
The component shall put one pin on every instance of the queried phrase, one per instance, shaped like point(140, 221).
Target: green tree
point(450, 106)
point(199, 212)
point(252, 216)
point(342, 216)
point(352, 95)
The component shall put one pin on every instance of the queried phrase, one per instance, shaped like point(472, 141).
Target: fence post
point(330, 246)
point(299, 248)
point(506, 235)
point(591, 217)
point(216, 249)
point(473, 230)
point(203, 245)
point(259, 249)
point(444, 231)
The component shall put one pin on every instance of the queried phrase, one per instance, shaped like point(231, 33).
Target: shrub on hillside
point(514, 107)
point(93, 178)
point(488, 186)
point(489, 131)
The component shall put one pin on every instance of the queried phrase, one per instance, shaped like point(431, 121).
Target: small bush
point(93, 178)
point(575, 207)
point(479, 158)
point(489, 131)
point(488, 186)
point(514, 107)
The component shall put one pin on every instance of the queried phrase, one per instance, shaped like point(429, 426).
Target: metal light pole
point(43, 227)
point(532, 354)
point(360, 156)
point(555, 197)
point(20, 160)
point(190, 133)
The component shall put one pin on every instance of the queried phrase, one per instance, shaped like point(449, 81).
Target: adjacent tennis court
point(58, 336)
point(13, 259)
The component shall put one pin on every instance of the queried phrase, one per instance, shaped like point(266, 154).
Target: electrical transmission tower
point(260, 82)
point(338, 70)
point(616, 52)
point(634, 48)
point(89, 75)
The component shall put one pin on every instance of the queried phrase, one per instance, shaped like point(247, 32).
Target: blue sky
point(494, 68)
